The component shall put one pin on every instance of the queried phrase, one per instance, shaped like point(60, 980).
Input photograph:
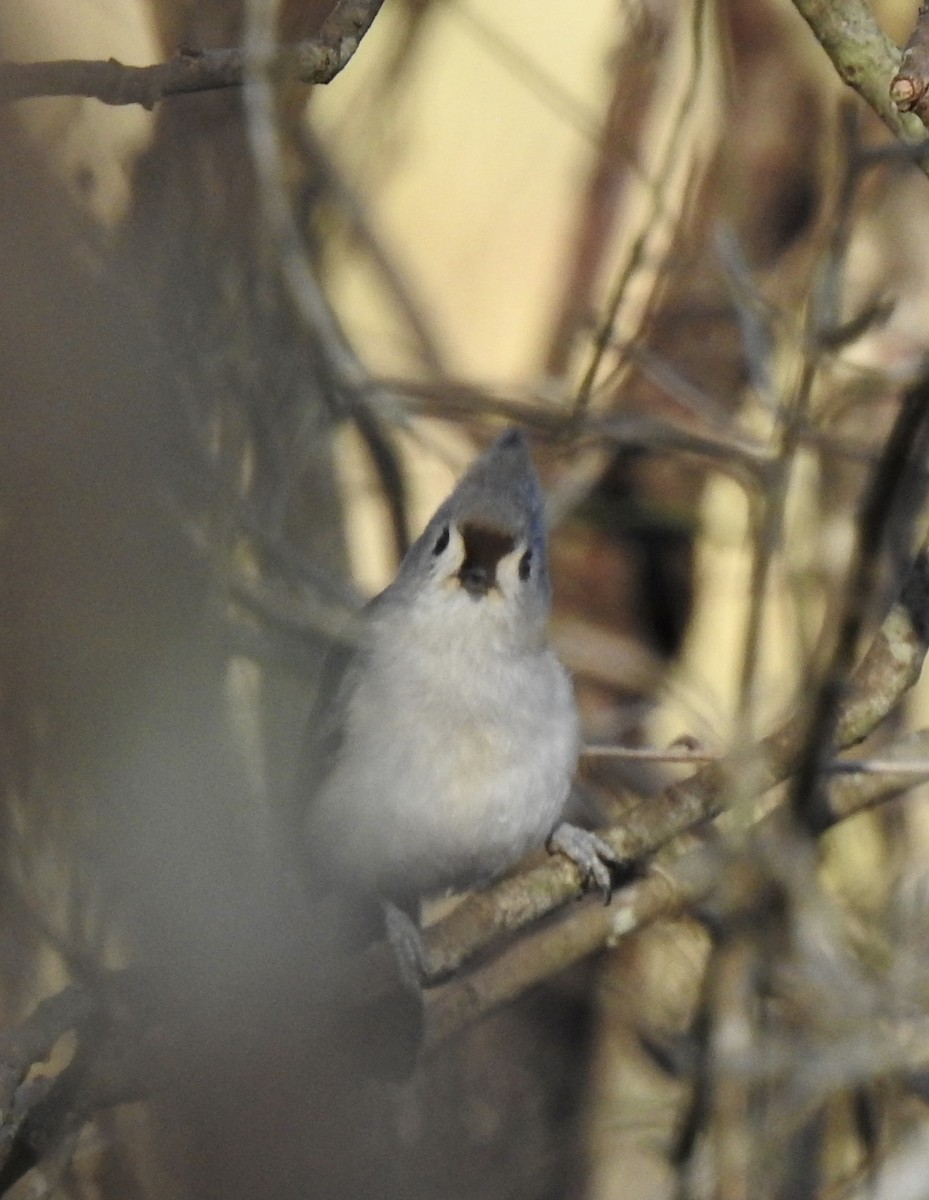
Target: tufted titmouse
point(454, 736)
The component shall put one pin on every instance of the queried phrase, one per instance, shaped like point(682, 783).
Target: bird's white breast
point(458, 753)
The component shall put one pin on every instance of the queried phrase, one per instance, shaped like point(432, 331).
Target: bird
point(448, 749)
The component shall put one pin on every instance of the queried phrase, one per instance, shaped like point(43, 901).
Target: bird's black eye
point(441, 541)
point(524, 564)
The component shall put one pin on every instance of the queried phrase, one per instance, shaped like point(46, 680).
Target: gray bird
point(454, 736)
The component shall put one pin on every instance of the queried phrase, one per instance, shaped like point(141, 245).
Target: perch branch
point(887, 671)
point(891, 665)
point(662, 893)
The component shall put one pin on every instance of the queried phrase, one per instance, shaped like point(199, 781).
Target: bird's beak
point(476, 580)
point(484, 547)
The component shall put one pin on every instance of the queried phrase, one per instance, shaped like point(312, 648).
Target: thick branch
point(887, 671)
point(910, 86)
point(865, 58)
point(455, 1006)
point(663, 892)
point(317, 60)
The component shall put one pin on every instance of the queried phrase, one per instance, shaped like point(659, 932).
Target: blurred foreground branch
point(126, 1040)
point(117, 1067)
point(316, 60)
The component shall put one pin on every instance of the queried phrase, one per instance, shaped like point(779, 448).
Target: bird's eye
point(524, 565)
point(441, 541)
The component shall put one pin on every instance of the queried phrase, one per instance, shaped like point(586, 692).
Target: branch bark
point(864, 57)
point(888, 669)
point(909, 89)
point(317, 60)
point(663, 892)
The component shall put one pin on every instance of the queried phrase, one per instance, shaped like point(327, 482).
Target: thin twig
point(650, 754)
point(773, 502)
point(604, 335)
point(354, 212)
point(880, 778)
point(912, 768)
point(611, 169)
point(317, 60)
point(904, 452)
point(350, 380)
point(909, 88)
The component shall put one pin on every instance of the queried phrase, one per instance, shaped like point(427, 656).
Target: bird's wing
point(325, 728)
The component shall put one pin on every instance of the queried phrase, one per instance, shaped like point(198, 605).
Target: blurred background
point(665, 239)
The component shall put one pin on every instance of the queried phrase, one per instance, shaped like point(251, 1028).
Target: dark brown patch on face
point(484, 547)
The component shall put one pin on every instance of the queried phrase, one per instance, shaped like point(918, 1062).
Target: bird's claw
point(407, 942)
point(592, 856)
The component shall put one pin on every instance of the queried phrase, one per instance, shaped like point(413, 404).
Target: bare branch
point(451, 1007)
point(865, 58)
point(32, 1041)
point(909, 89)
point(909, 768)
point(458, 1004)
point(889, 490)
point(890, 667)
point(662, 892)
point(317, 60)
point(604, 335)
point(900, 766)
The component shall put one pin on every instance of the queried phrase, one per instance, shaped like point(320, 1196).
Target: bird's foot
point(593, 857)
point(407, 941)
